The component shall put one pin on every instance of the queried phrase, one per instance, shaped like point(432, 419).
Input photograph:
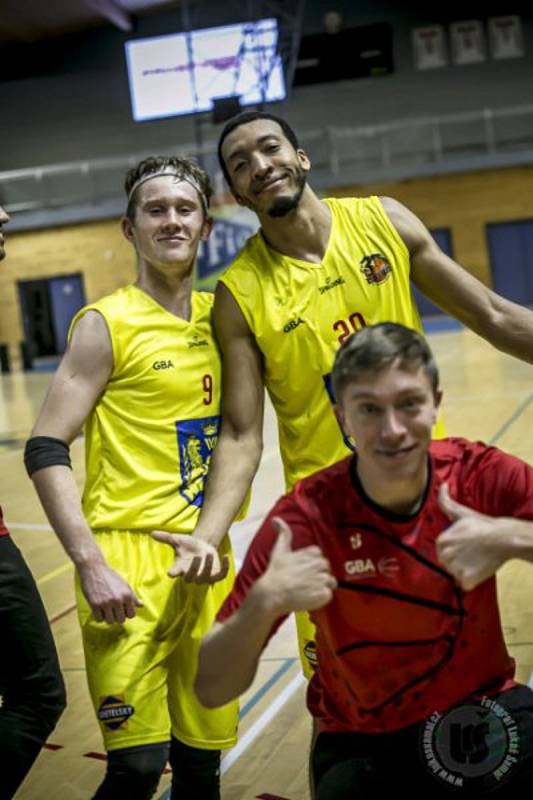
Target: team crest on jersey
point(196, 441)
point(375, 268)
point(114, 712)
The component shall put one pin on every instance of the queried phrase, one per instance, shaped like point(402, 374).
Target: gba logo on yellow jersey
point(375, 268)
point(196, 441)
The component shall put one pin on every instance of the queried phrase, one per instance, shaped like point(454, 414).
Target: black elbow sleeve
point(45, 451)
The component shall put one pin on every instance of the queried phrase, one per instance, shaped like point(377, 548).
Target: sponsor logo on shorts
point(360, 568)
point(331, 284)
point(293, 324)
point(196, 441)
point(472, 746)
point(114, 712)
point(310, 654)
point(163, 364)
point(375, 268)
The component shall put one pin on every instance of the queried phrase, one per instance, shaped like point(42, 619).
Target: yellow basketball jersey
point(300, 312)
point(149, 440)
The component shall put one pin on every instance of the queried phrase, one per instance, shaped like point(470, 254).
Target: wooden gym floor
point(487, 396)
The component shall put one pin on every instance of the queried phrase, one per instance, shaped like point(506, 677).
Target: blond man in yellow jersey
point(142, 371)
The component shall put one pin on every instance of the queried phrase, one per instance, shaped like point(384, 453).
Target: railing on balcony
point(340, 156)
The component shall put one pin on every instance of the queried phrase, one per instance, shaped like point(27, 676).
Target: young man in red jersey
point(414, 685)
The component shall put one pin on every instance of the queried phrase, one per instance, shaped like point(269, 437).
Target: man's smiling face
point(168, 223)
point(267, 174)
point(390, 414)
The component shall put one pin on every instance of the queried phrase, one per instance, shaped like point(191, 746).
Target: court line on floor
point(259, 725)
point(266, 686)
point(49, 575)
point(62, 614)
point(519, 644)
point(54, 573)
point(512, 419)
point(32, 526)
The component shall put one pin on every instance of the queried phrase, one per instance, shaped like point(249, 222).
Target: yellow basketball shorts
point(141, 674)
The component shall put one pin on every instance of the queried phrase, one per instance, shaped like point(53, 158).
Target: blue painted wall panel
point(511, 259)
point(426, 308)
point(66, 298)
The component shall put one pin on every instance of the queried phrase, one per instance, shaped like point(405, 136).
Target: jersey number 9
point(207, 384)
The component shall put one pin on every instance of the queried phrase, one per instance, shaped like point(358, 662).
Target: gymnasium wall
point(80, 108)
point(463, 203)
point(97, 250)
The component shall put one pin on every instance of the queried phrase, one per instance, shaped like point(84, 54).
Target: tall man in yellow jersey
point(142, 372)
point(316, 271)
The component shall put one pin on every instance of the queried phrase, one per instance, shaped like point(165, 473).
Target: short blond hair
point(186, 167)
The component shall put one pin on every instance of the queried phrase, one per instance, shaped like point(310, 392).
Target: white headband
point(173, 172)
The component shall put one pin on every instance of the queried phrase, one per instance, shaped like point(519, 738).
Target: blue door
point(66, 298)
point(511, 259)
point(426, 308)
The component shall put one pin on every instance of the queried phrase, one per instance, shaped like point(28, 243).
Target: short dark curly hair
point(183, 166)
point(375, 347)
point(243, 119)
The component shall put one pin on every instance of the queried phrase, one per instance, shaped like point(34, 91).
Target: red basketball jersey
point(400, 639)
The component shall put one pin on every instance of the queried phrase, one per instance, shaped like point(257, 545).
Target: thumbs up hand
point(475, 545)
point(296, 580)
